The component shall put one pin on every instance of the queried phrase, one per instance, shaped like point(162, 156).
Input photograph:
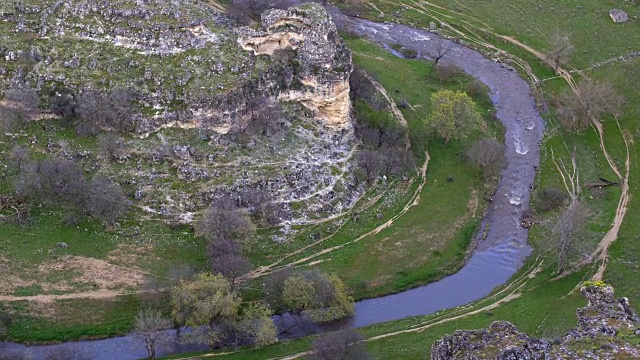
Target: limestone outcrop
point(324, 63)
point(607, 329)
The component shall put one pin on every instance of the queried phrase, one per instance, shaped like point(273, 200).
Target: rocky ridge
point(607, 329)
point(195, 78)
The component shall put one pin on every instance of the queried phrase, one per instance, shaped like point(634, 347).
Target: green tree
point(203, 304)
point(453, 115)
point(321, 297)
point(255, 323)
point(209, 305)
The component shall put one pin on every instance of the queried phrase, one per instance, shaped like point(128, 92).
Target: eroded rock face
point(324, 61)
point(607, 329)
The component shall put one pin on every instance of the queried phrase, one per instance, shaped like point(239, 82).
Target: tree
point(231, 265)
point(19, 156)
point(453, 115)
point(254, 324)
point(107, 202)
point(203, 304)
point(340, 345)
point(442, 49)
point(321, 297)
point(371, 163)
point(212, 309)
point(223, 220)
point(561, 50)
point(566, 235)
point(592, 99)
point(488, 155)
point(147, 330)
point(112, 147)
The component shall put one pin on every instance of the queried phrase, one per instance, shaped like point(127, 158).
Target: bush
point(488, 155)
point(552, 198)
point(596, 99)
point(445, 73)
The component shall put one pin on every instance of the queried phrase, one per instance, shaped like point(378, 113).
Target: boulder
point(618, 16)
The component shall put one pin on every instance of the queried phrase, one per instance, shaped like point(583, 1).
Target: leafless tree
point(19, 156)
point(567, 235)
point(106, 200)
point(371, 163)
point(224, 220)
point(63, 105)
point(443, 47)
point(61, 181)
point(12, 119)
point(96, 111)
point(561, 49)
point(111, 146)
point(593, 98)
point(488, 155)
point(340, 345)
point(148, 330)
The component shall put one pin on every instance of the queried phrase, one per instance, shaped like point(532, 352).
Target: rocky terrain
point(260, 111)
point(608, 328)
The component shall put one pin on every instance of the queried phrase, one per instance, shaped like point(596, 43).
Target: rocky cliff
point(196, 84)
point(607, 329)
point(180, 58)
point(324, 61)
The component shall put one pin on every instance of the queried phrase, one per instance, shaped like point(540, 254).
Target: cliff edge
point(607, 329)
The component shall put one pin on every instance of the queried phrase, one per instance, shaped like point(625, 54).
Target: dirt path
point(268, 269)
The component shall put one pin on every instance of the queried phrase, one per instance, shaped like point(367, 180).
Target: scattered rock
point(604, 330)
point(62, 245)
point(618, 16)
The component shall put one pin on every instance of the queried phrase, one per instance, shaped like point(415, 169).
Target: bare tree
point(371, 163)
point(148, 330)
point(443, 47)
point(561, 49)
point(19, 156)
point(340, 345)
point(63, 105)
point(106, 200)
point(224, 220)
point(112, 147)
point(226, 258)
point(567, 235)
point(488, 155)
point(592, 98)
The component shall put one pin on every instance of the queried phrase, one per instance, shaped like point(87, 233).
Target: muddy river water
point(496, 258)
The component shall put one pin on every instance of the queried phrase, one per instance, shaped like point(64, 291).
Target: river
point(496, 259)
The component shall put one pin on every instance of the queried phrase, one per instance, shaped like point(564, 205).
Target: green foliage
point(212, 308)
point(453, 116)
point(205, 300)
point(322, 297)
point(256, 323)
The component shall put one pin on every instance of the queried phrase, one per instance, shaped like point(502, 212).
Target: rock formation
point(607, 329)
point(324, 61)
